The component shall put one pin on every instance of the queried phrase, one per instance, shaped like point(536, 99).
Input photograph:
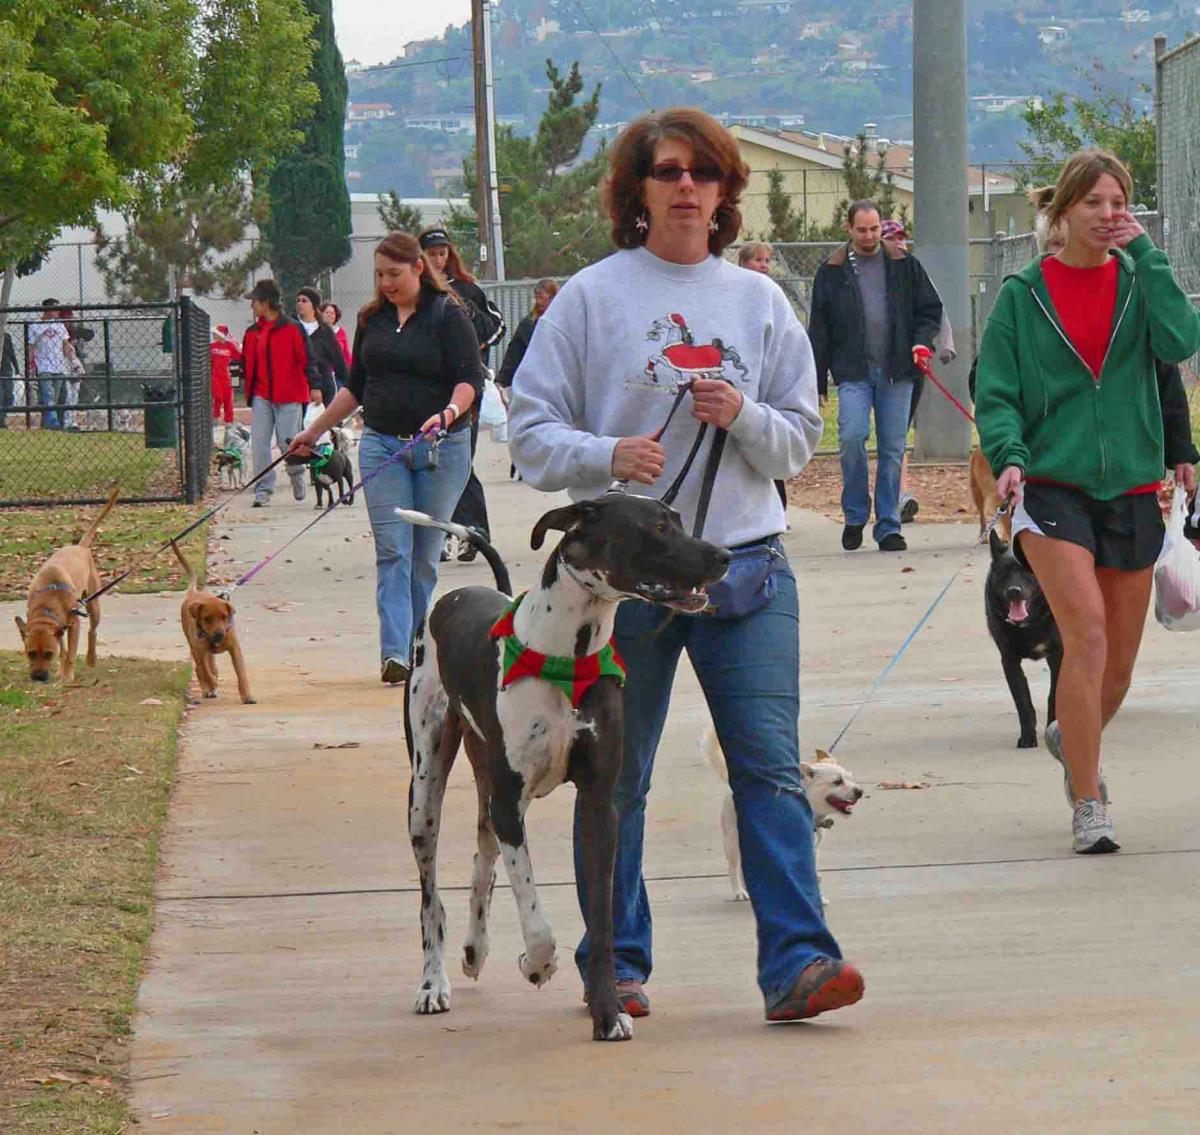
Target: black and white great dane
point(526, 738)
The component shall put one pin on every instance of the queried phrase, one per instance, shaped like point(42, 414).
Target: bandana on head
point(574, 676)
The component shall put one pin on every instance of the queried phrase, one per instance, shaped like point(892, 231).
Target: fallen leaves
point(902, 784)
point(340, 745)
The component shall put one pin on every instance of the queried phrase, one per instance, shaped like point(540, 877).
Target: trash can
point(162, 428)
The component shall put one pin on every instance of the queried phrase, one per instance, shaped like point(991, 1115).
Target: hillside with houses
point(775, 64)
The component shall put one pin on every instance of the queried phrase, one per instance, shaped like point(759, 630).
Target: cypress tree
point(309, 226)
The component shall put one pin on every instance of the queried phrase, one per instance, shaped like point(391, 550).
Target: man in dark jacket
point(279, 372)
point(874, 314)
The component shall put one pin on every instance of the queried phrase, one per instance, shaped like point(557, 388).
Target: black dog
point(534, 694)
point(337, 470)
point(1021, 626)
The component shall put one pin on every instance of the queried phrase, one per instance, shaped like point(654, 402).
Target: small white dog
point(830, 790)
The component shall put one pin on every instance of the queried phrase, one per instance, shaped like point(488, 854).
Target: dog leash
point(436, 438)
point(908, 641)
point(927, 370)
point(81, 608)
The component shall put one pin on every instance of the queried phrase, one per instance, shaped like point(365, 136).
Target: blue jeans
point(891, 401)
point(47, 399)
point(406, 558)
point(749, 670)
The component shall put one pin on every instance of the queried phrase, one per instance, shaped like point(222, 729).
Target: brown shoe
point(826, 984)
point(631, 996)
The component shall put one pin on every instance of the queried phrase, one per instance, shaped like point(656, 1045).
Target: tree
point(190, 233)
point(1106, 122)
point(102, 101)
point(786, 226)
point(309, 227)
point(549, 198)
point(864, 180)
point(396, 216)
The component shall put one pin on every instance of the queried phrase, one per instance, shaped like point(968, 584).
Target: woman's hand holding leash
point(1009, 483)
point(303, 443)
point(441, 422)
point(716, 402)
point(638, 459)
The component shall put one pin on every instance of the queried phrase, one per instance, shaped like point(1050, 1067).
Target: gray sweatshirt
point(606, 360)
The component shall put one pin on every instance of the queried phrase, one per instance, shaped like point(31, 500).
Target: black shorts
point(1125, 532)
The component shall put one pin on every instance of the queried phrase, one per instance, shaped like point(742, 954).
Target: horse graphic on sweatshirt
point(682, 359)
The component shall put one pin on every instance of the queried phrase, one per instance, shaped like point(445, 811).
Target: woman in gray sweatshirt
point(592, 391)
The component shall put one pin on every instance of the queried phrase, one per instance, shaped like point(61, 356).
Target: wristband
point(452, 407)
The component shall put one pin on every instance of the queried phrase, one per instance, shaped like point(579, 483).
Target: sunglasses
point(700, 174)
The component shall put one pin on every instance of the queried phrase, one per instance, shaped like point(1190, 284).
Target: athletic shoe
point(299, 489)
point(893, 542)
point(909, 509)
point(445, 556)
point(826, 984)
point(631, 996)
point(393, 672)
point(466, 552)
point(261, 502)
point(1053, 737)
point(852, 536)
point(1093, 829)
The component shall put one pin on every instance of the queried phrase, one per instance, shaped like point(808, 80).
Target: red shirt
point(223, 352)
point(1085, 300)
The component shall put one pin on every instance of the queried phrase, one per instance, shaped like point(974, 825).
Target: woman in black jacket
point(489, 327)
point(323, 346)
point(544, 292)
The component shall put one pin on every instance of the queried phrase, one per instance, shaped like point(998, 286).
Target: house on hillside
point(369, 111)
point(811, 164)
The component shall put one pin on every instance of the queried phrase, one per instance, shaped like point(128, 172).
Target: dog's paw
point(249, 701)
point(612, 1026)
point(1028, 742)
point(210, 694)
point(433, 996)
point(740, 895)
point(475, 953)
point(541, 968)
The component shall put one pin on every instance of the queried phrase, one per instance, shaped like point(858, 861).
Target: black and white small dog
point(337, 471)
point(1022, 626)
point(233, 456)
point(526, 737)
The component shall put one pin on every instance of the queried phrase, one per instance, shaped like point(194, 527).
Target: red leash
point(927, 370)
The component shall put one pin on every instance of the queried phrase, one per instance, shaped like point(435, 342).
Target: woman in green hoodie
point(1068, 412)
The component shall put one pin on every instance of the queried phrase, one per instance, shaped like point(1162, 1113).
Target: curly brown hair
point(633, 155)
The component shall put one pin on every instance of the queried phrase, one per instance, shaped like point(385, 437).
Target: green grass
point(49, 464)
point(85, 777)
point(28, 536)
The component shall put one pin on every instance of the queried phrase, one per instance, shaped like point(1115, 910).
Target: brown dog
point(208, 627)
point(52, 607)
point(987, 500)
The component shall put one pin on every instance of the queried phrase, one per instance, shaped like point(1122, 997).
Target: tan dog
point(52, 607)
point(987, 500)
point(208, 627)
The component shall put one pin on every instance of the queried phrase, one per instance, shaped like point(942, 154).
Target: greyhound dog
point(533, 688)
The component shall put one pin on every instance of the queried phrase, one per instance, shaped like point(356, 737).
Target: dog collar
point(574, 676)
point(53, 587)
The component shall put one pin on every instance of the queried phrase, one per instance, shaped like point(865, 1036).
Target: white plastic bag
point(1177, 574)
point(492, 415)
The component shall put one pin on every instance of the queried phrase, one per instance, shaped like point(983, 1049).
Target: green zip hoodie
point(1037, 403)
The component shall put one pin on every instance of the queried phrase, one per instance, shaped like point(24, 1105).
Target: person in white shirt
point(53, 360)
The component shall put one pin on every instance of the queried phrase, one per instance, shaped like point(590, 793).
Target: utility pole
point(940, 207)
point(487, 187)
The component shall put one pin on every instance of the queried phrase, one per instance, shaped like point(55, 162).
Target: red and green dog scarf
point(574, 676)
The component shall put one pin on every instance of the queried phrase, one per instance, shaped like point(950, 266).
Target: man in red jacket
point(279, 372)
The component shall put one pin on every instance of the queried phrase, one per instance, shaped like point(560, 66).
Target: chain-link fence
point(1177, 104)
point(105, 394)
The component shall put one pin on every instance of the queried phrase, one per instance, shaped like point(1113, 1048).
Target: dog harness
point(574, 676)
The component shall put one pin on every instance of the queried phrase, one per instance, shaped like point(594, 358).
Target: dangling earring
point(712, 224)
point(642, 224)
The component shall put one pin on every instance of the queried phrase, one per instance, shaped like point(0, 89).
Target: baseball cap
point(434, 237)
point(890, 229)
point(266, 291)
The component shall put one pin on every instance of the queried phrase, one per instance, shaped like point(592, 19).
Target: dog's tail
point(191, 573)
point(711, 748)
point(85, 541)
point(470, 535)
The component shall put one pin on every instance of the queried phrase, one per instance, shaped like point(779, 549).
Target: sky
point(374, 32)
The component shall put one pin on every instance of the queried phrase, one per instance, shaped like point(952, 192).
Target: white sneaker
point(1053, 738)
point(1093, 830)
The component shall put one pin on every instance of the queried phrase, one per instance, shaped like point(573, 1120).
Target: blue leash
point(983, 538)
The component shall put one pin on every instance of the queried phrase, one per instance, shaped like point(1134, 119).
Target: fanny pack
point(750, 583)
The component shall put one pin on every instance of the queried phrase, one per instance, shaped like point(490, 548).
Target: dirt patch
point(943, 491)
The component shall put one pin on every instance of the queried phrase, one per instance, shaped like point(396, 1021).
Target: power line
point(415, 63)
point(596, 31)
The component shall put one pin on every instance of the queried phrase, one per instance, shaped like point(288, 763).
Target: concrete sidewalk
point(1011, 985)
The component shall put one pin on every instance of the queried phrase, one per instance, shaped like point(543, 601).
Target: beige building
point(812, 174)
